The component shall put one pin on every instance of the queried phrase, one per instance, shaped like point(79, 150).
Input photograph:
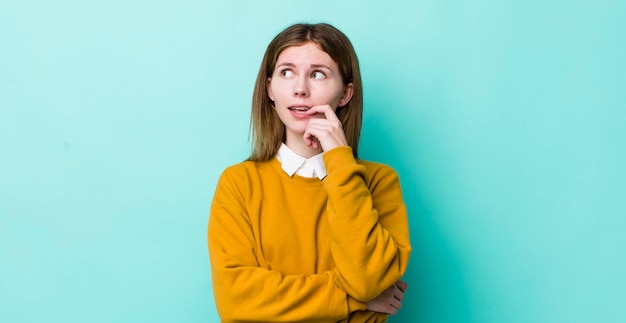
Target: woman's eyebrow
point(286, 64)
point(321, 66)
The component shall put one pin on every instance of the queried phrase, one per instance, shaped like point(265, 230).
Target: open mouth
point(299, 109)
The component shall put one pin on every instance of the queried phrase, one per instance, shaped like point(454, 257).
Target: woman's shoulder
point(376, 166)
point(244, 167)
point(378, 171)
point(239, 167)
point(239, 177)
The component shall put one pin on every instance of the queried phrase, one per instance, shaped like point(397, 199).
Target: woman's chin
point(296, 131)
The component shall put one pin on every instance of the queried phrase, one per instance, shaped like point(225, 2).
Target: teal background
point(504, 119)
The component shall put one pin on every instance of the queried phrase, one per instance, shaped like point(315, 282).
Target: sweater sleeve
point(369, 225)
point(245, 292)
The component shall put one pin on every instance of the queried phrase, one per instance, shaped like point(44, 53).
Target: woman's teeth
point(299, 108)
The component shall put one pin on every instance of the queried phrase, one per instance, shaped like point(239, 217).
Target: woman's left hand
point(390, 300)
point(327, 132)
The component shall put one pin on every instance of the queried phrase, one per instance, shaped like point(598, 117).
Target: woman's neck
point(300, 147)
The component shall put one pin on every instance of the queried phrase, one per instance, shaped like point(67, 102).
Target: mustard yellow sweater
point(296, 249)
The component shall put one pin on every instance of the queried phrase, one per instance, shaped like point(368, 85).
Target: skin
point(390, 300)
point(307, 88)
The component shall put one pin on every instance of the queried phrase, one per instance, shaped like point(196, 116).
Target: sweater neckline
point(296, 179)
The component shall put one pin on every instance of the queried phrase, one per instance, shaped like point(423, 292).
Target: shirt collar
point(292, 163)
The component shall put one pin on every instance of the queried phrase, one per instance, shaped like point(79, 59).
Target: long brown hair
point(268, 132)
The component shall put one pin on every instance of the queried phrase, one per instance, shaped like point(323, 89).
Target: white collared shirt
point(293, 163)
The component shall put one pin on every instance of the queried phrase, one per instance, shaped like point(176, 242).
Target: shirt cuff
point(354, 305)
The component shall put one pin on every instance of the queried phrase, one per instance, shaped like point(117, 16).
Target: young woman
point(304, 231)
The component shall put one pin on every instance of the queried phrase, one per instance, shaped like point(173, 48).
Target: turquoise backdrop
point(505, 120)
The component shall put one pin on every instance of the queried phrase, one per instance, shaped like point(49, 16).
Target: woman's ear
point(347, 95)
point(268, 85)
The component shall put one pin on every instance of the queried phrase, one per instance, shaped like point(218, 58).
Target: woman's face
point(305, 76)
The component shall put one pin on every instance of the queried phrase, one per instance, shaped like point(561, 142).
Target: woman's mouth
point(299, 109)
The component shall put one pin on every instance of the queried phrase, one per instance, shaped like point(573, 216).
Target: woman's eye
point(318, 75)
point(286, 73)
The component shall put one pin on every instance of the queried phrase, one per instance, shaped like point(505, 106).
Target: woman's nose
point(301, 89)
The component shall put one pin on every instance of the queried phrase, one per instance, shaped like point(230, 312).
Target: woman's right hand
point(390, 300)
